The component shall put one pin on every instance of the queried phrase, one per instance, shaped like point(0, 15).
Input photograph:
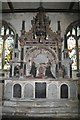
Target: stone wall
point(16, 20)
point(51, 106)
point(53, 88)
point(1, 86)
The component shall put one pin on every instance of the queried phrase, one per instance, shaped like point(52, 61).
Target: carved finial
point(59, 27)
point(23, 25)
point(40, 3)
point(41, 9)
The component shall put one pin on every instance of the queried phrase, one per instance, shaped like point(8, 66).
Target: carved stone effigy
point(41, 71)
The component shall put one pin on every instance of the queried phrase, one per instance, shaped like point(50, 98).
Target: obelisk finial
point(40, 3)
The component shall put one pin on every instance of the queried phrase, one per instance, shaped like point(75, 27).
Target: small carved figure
point(41, 71)
point(62, 71)
point(48, 72)
point(16, 71)
point(33, 69)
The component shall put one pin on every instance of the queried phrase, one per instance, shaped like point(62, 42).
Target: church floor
point(36, 118)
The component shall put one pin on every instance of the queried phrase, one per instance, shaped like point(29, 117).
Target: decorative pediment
point(41, 32)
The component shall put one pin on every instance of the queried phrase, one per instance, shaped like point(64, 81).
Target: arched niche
point(17, 91)
point(73, 90)
point(41, 54)
point(28, 91)
point(17, 70)
point(8, 91)
point(52, 91)
point(64, 91)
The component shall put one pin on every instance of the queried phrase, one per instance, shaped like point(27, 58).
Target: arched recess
point(7, 36)
point(8, 91)
point(64, 91)
point(52, 91)
point(73, 90)
point(72, 43)
point(41, 55)
point(35, 52)
point(28, 91)
point(17, 90)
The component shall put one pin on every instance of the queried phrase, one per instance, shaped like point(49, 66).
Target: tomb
point(39, 82)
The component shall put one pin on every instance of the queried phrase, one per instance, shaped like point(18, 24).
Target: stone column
point(59, 57)
point(65, 42)
point(59, 44)
point(25, 69)
point(70, 70)
point(77, 51)
point(16, 41)
point(23, 25)
point(22, 56)
point(1, 96)
point(22, 46)
point(3, 51)
point(10, 70)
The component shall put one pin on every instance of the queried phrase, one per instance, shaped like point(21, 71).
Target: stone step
point(40, 110)
point(42, 103)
